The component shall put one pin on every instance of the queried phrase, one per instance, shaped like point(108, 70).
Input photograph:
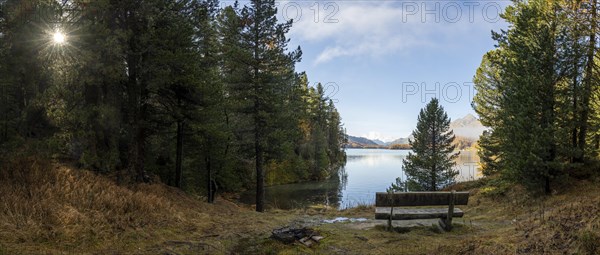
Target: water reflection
point(366, 172)
point(302, 195)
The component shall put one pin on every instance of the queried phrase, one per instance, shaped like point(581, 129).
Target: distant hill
point(360, 142)
point(468, 127)
point(398, 141)
point(379, 142)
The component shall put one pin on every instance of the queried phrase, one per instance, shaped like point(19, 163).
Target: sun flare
point(58, 38)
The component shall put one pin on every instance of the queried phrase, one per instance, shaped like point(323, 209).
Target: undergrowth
point(44, 202)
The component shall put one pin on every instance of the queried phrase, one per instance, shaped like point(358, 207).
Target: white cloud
point(379, 28)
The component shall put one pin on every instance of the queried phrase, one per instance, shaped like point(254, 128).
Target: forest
point(538, 93)
point(186, 93)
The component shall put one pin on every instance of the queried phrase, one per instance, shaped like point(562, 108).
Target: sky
point(382, 61)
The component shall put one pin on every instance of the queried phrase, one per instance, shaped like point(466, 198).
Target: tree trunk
point(587, 93)
point(258, 151)
point(260, 176)
point(547, 120)
point(7, 105)
point(574, 134)
point(137, 109)
point(210, 183)
point(179, 154)
point(140, 172)
point(258, 130)
point(434, 149)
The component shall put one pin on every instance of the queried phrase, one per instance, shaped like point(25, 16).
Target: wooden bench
point(384, 202)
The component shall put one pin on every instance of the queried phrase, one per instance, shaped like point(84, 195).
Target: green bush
point(495, 187)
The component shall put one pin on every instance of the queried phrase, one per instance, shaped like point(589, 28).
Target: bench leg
point(390, 226)
point(447, 222)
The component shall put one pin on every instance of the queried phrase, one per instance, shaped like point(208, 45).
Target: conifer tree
point(258, 64)
point(430, 166)
point(486, 104)
point(524, 98)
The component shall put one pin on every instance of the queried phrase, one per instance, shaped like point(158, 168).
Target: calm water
point(366, 172)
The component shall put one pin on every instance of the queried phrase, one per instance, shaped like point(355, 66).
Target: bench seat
point(383, 213)
point(384, 202)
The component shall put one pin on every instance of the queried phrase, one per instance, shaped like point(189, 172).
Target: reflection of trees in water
point(468, 165)
point(302, 195)
point(333, 194)
point(342, 179)
point(353, 158)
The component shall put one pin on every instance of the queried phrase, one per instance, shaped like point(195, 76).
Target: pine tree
point(526, 127)
point(430, 165)
point(258, 65)
point(212, 125)
point(487, 104)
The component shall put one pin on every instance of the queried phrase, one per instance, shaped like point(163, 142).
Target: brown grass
point(514, 223)
point(60, 208)
point(51, 208)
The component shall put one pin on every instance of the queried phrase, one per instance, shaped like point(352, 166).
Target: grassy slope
point(566, 223)
point(55, 209)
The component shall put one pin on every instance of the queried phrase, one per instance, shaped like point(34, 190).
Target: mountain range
point(466, 128)
point(360, 142)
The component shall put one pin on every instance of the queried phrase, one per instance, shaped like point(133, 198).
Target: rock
point(288, 235)
point(317, 238)
point(285, 235)
point(307, 241)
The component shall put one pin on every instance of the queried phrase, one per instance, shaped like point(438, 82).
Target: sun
point(59, 38)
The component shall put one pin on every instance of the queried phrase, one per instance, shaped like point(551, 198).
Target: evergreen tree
point(257, 60)
point(430, 165)
point(487, 104)
point(212, 125)
point(520, 106)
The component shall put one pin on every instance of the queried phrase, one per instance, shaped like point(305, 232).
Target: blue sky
point(383, 59)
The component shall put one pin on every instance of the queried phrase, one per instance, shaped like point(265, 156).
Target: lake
point(366, 171)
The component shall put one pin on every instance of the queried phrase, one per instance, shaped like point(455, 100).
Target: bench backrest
point(382, 199)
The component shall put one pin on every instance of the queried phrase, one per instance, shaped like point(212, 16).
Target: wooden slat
point(382, 199)
point(383, 213)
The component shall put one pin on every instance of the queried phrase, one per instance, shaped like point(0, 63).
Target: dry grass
point(516, 223)
point(44, 203)
point(49, 208)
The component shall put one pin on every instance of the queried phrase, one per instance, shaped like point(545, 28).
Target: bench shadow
point(423, 229)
